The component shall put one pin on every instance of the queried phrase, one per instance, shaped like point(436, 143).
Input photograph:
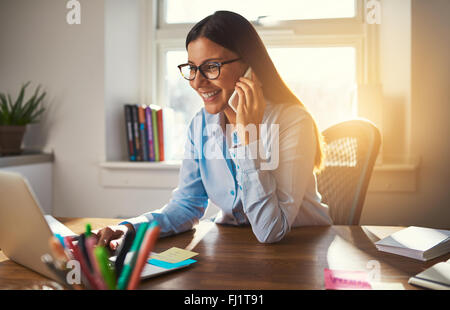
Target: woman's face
point(215, 93)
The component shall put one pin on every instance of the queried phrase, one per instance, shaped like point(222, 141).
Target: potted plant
point(15, 116)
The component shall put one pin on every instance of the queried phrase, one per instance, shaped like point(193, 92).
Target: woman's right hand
point(112, 236)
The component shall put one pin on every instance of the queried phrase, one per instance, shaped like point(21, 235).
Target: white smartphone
point(234, 99)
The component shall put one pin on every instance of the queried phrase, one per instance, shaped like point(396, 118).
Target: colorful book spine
point(149, 124)
point(137, 143)
point(129, 132)
point(143, 132)
point(155, 132)
point(160, 134)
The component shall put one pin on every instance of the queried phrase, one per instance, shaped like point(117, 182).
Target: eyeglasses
point(210, 70)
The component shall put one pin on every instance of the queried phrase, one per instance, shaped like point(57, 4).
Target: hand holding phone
point(234, 99)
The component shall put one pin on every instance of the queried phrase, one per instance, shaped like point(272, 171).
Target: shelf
point(28, 157)
point(125, 174)
point(132, 165)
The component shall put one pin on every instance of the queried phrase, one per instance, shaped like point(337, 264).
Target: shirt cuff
point(137, 221)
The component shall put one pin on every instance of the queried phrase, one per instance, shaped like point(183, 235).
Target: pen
point(91, 243)
point(88, 230)
point(131, 257)
point(84, 252)
point(107, 272)
point(123, 250)
point(79, 257)
point(147, 245)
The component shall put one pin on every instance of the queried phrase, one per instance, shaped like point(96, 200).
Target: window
point(324, 37)
point(192, 11)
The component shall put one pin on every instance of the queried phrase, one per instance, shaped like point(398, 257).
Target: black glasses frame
point(198, 68)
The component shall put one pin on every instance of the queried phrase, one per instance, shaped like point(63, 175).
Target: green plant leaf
point(33, 106)
point(17, 108)
point(21, 112)
point(28, 107)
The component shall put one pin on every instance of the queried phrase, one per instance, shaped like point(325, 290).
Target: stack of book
point(145, 132)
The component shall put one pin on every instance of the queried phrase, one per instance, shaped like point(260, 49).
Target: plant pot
point(11, 139)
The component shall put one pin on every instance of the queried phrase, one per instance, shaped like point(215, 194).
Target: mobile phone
point(234, 99)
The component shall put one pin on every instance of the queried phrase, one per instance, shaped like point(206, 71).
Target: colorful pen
point(123, 250)
point(148, 243)
point(84, 252)
point(131, 257)
point(107, 272)
point(91, 243)
point(79, 257)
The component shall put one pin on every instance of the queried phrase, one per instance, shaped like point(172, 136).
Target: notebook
point(417, 242)
point(437, 277)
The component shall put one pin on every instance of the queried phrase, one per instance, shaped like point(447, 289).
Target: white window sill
point(398, 176)
point(123, 174)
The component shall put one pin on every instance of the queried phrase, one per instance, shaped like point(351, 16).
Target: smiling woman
point(271, 199)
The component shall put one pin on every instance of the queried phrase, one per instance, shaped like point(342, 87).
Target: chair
point(350, 153)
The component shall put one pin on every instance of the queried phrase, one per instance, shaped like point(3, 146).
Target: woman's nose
point(199, 81)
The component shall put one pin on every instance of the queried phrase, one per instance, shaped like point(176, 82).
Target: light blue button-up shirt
point(268, 184)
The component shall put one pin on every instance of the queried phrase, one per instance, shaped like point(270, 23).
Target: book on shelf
point(149, 124)
point(129, 133)
point(136, 139)
point(145, 132)
point(155, 131)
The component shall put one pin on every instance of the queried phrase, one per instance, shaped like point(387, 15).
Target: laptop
point(25, 230)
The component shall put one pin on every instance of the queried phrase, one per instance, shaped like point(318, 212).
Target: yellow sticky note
point(174, 255)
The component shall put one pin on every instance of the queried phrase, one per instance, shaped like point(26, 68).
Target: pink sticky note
point(346, 280)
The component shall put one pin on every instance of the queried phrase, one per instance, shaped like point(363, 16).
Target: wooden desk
point(231, 258)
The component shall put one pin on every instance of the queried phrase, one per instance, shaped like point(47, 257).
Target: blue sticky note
point(167, 265)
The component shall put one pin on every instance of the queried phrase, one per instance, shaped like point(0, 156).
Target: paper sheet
point(174, 255)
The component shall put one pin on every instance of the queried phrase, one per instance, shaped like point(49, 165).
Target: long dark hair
point(237, 34)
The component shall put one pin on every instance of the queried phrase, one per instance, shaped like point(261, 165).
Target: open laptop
point(25, 230)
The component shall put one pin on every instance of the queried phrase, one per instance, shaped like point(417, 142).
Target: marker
point(79, 257)
point(123, 250)
point(91, 243)
point(147, 245)
point(88, 230)
point(131, 257)
point(107, 272)
point(84, 252)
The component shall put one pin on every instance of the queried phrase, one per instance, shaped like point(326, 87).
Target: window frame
point(160, 37)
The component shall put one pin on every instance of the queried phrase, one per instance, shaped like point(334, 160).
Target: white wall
point(39, 176)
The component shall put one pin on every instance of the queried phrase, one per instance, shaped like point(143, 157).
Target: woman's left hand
point(250, 109)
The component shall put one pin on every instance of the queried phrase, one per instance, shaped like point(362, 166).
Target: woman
point(268, 181)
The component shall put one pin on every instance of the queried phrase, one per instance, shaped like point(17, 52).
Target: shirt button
point(240, 187)
point(232, 193)
point(238, 166)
